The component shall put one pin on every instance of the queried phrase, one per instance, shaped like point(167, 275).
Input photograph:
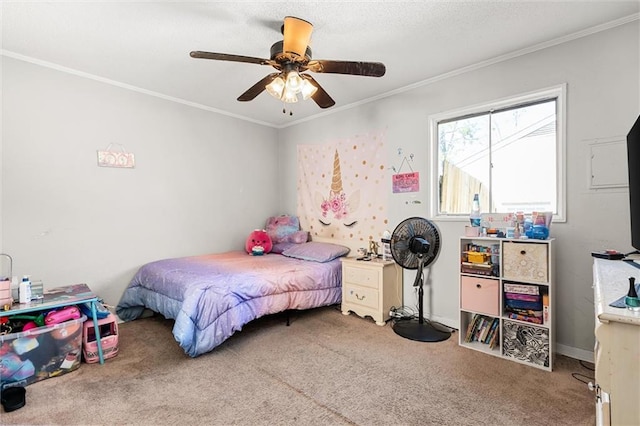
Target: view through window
point(507, 154)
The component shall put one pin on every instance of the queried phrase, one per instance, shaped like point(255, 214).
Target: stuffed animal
point(258, 243)
point(286, 229)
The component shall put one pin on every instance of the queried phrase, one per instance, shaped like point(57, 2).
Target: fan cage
point(401, 239)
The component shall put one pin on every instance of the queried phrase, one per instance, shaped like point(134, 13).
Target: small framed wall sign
point(406, 182)
point(110, 157)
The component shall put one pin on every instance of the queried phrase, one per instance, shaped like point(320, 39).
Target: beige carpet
point(326, 368)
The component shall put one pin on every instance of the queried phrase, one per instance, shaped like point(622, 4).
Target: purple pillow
point(316, 251)
point(280, 247)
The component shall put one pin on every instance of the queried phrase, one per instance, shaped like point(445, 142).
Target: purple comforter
point(213, 296)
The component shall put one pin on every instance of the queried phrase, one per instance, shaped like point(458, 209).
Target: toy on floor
point(108, 328)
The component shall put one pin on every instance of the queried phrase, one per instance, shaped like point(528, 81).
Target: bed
point(212, 296)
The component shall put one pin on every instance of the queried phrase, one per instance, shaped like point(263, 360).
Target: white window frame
point(558, 92)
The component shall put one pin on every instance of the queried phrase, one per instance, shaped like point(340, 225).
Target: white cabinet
point(371, 288)
point(507, 298)
point(617, 349)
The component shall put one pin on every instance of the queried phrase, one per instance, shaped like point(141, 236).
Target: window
point(511, 152)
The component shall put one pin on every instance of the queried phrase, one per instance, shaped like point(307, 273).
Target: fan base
point(420, 331)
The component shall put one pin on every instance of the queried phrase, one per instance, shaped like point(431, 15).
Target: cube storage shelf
point(507, 299)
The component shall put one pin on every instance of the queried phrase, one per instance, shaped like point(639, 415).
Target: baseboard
point(444, 321)
point(576, 353)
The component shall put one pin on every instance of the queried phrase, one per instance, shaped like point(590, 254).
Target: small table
point(59, 297)
point(371, 288)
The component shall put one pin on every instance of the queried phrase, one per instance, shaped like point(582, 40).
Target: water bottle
point(25, 290)
point(474, 217)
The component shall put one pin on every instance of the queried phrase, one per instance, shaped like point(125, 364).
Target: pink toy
point(65, 314)
point(258, 243)
point(29, 326)
point(108, 338)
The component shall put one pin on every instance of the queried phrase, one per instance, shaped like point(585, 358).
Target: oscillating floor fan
point(415, 244)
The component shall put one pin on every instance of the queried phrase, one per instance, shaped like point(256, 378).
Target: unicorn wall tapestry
point(342, 188)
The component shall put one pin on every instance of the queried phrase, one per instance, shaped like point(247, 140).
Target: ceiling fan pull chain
point(284, 109)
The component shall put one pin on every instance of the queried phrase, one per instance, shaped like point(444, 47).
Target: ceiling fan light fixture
point(289, 96)
point(307, 89)
point(294, 81)
point(286, 87)
point(296, 34)
point(276, 87)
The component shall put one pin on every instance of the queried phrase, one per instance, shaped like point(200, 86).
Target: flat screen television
point(633, 163)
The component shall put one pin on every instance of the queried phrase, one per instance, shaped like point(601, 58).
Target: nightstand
point(371, 288)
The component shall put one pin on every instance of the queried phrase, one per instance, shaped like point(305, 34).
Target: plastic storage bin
point(108, 328)
point(40, 353)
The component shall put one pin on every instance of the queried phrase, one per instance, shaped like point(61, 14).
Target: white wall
point(201, 183)
point(601, 72)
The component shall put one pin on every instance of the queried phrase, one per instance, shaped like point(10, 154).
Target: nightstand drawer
point(363, 296)
point(366, 277)
point(480, 295)
point(525, 262)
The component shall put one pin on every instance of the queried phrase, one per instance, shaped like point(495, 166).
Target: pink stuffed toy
point(258, 243)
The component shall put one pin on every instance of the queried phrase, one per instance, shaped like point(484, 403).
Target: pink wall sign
point(406, 182)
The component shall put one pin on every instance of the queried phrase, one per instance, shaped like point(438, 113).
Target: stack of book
point(523, 302)
point(480, 260)
point(483, 329)
point(478, 268)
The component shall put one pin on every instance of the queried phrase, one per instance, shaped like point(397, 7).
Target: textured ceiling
point(146, 45)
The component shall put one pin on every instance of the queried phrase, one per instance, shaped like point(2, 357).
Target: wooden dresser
point(617, 349)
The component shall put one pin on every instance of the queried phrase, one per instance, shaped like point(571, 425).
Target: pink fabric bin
point(480, 295)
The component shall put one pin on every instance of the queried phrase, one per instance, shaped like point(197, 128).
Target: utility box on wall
point(606, 159)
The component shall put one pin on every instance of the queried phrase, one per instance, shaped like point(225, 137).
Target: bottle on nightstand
point(386, 246)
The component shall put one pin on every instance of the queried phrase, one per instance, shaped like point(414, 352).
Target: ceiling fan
point(291, 57)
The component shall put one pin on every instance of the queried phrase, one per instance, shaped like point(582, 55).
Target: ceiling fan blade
point(367, 69)
point(228, 57)
point(297, 35)
point(321, 97)
point(257, 88)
